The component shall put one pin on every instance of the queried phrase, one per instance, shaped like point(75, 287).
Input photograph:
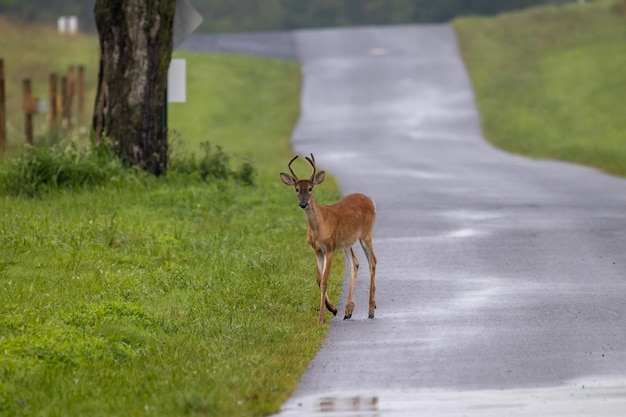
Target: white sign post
point(177, 81)
point(186, 20)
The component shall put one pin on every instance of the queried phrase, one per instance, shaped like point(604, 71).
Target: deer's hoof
point(347, 316)
point(371, 316)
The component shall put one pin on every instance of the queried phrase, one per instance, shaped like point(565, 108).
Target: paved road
point(500, 288)
point(267, 44)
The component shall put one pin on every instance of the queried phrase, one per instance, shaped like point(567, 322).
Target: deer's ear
point(319, 177)
point(288, 180)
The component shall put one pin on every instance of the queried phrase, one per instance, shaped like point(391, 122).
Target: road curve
point(500, 288)
point(500, 285)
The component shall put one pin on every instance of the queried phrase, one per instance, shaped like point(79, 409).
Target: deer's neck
point(314, 215)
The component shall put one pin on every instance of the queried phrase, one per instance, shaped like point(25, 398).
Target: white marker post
point(177, 81)
point(186, 20)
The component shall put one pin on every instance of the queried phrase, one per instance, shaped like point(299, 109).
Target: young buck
point(335, 227)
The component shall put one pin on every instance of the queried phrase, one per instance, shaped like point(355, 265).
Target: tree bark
point(135, 52)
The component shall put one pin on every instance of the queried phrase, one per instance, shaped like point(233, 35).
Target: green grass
point(217, 99)
point(167, 298)
point(170, 296)
point(177, 296)
point(550, 81)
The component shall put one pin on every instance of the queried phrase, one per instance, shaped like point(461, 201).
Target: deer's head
point(304, 188)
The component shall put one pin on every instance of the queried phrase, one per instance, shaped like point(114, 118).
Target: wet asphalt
point(500, 283)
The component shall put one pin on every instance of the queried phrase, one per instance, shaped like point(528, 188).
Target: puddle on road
point(464, 232)
point(461, 233)
point(599, 399)
point(355, 404)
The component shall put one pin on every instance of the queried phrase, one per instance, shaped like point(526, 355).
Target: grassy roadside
point(180, 297)
point(169, 296)
point(550, 81)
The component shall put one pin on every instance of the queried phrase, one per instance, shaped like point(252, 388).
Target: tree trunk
point(135, 53)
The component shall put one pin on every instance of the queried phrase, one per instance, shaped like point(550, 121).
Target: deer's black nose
point(303, 205)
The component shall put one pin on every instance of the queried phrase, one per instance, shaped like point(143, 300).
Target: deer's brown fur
point(336, 227)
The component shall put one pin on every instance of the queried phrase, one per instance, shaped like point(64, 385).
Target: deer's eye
point(310, 189)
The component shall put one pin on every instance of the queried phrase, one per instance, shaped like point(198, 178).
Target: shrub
point(60, 166)
point(67, 166)
point(213, 163)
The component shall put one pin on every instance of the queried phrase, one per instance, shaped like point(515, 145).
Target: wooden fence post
point(81, 93)
point(28, 111)
point(64, 102)
point(3, 119)
point(70, 95)
point(53, 103)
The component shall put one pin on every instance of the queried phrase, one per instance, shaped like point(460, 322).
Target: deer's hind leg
point(354, 267)
point(366, 244)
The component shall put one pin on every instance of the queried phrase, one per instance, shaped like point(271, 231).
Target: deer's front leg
point(324, 261)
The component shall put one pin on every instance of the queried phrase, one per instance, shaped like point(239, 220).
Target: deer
point(332, 228)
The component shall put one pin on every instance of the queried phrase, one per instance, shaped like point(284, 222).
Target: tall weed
point(68, 166)
point(61, 166)
point(212, 163)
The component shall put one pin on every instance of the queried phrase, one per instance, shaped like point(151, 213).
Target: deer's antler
point(312, 162)
point(293, 174)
